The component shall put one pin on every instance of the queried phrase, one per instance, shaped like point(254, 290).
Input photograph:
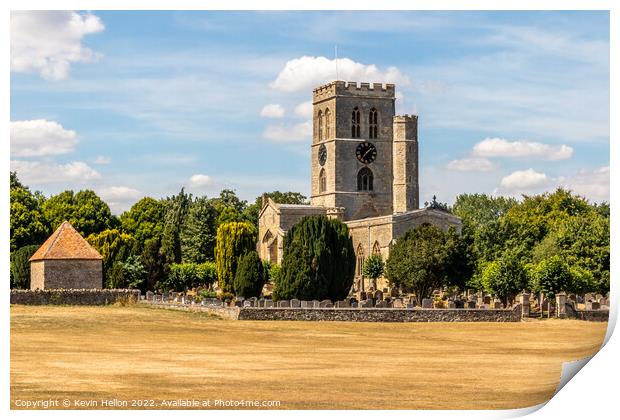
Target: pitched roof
point(66, 244)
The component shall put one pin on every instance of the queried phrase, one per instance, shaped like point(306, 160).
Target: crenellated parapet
point(340, 88)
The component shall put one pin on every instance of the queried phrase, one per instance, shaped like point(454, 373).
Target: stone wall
point(66, 274)
point(589, 315)
point(74, 296)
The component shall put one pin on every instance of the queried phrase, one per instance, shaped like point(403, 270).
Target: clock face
point(366, 152)
point(322, 154)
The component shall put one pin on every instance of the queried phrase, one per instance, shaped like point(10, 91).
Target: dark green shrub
point(250, 276)
point(20, 266)
point(318, 262)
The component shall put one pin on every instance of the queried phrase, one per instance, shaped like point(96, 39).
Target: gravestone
point(381, 304)
point(354, 304)
point(342, 304)
point(306, 304)
point(427, 303)
point(316, 304)
point(261, 303)
point(268, 303)
point(471, 304)
point(326, 304)
point(295, 303)
point(604, 302)
point(398, 303)
point(284, 304)
point(486, 300)
point(149, 295)
point(593, 306)
point(378, 295)
point(248, 304)
point(366, 303)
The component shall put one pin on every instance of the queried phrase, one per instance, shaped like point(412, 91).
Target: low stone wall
point(348, 314)
point(600, 315)
point(74, 296)
point(381, 314)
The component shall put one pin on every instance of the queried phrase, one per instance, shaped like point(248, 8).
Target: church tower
point(352, 146)
point(405, 154)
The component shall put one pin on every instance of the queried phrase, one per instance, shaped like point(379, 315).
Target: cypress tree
point(250, 276)
point(234, 239)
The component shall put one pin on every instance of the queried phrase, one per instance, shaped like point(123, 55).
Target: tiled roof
point(66, 244)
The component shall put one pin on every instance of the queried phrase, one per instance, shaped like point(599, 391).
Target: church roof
point(66, 244)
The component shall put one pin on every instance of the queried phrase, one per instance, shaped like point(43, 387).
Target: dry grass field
point(132, 353)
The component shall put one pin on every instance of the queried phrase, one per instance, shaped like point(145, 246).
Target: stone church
point(364, 164)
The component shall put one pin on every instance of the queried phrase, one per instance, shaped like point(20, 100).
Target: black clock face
point(366, 152)
point(322, 154)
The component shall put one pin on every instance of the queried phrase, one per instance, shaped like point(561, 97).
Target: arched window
point(376, 249)
point(364, 179)
point(360, 259)
point(327, 122)
point(320, 118)
point(355, 123)
point(372, 124)
point(322, 181)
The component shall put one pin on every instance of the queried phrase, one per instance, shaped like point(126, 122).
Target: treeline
point(159, 244)
point(545, 243)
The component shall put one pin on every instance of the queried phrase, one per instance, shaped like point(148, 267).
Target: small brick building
point(66, 261)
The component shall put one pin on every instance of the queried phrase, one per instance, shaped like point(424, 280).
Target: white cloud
point(119, 198)
point(592, 184)
point(519, 180)
point(40, 138)
point(35, 172)
point(498, 147)
point(282, 133)
point(307, 72)
point(304, 109)
point(102, 160)
point(272, 111)
point(471, 165)
point(200, 181)
point(47, 42)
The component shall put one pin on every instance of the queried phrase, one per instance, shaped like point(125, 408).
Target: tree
point(234, 240)
point(154, 263)
point(187, 275)
point(114, 247)
point(86, 212)
point(250, 276)
point(15, 182)
point(504, 278)
point(318, 261)
point(176, 210)
point(419, 262)
point(145, 220)
point(27, 222)
point(131, 274)
point(552, 276)
point(198, 233)
point(20, 266)
point(373, 268)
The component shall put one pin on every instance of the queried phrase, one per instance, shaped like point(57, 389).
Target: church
point(364, 166)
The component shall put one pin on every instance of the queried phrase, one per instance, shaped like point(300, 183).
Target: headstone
point(451, 304)
point(381, 304)
point(487, 300)
point(268, 303)
point(413, 301)
point(604, 302)
point(560, 300)
point(368, 303)
point(149, 296)
point(471, 304)
point(306, 304)
point(599, 297)
point(316, 304)
point(248, 304)
point(295, 303)
point(342, 304)
point(354, 304)
point(398, 303)
point(427, 303)
point(326, 304)
point(378, 295)
point(284, 304)
point(410, 305)
point(261, 303)
point(593, 306)
point(588, 297)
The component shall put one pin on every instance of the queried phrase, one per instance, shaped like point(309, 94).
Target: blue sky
point(142, 103)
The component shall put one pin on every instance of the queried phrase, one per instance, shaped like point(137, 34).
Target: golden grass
point(135, 352)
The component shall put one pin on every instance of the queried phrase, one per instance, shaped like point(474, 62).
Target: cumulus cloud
point(119, 198)
point(41, 138)
point(519, 180)
point(592, 184)
point(47, 42)
point(304, 109)
point(200, 181)
point(284, 133)
point(35, 172)
point(272, 111)
point(498, 147)
point(307, 72)
point(471, 165)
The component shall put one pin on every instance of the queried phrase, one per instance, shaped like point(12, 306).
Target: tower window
point(322, 181)
point(320, 129)
point(372, 124)
point(364, 179)
point(355, 123)
point(327, 122)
